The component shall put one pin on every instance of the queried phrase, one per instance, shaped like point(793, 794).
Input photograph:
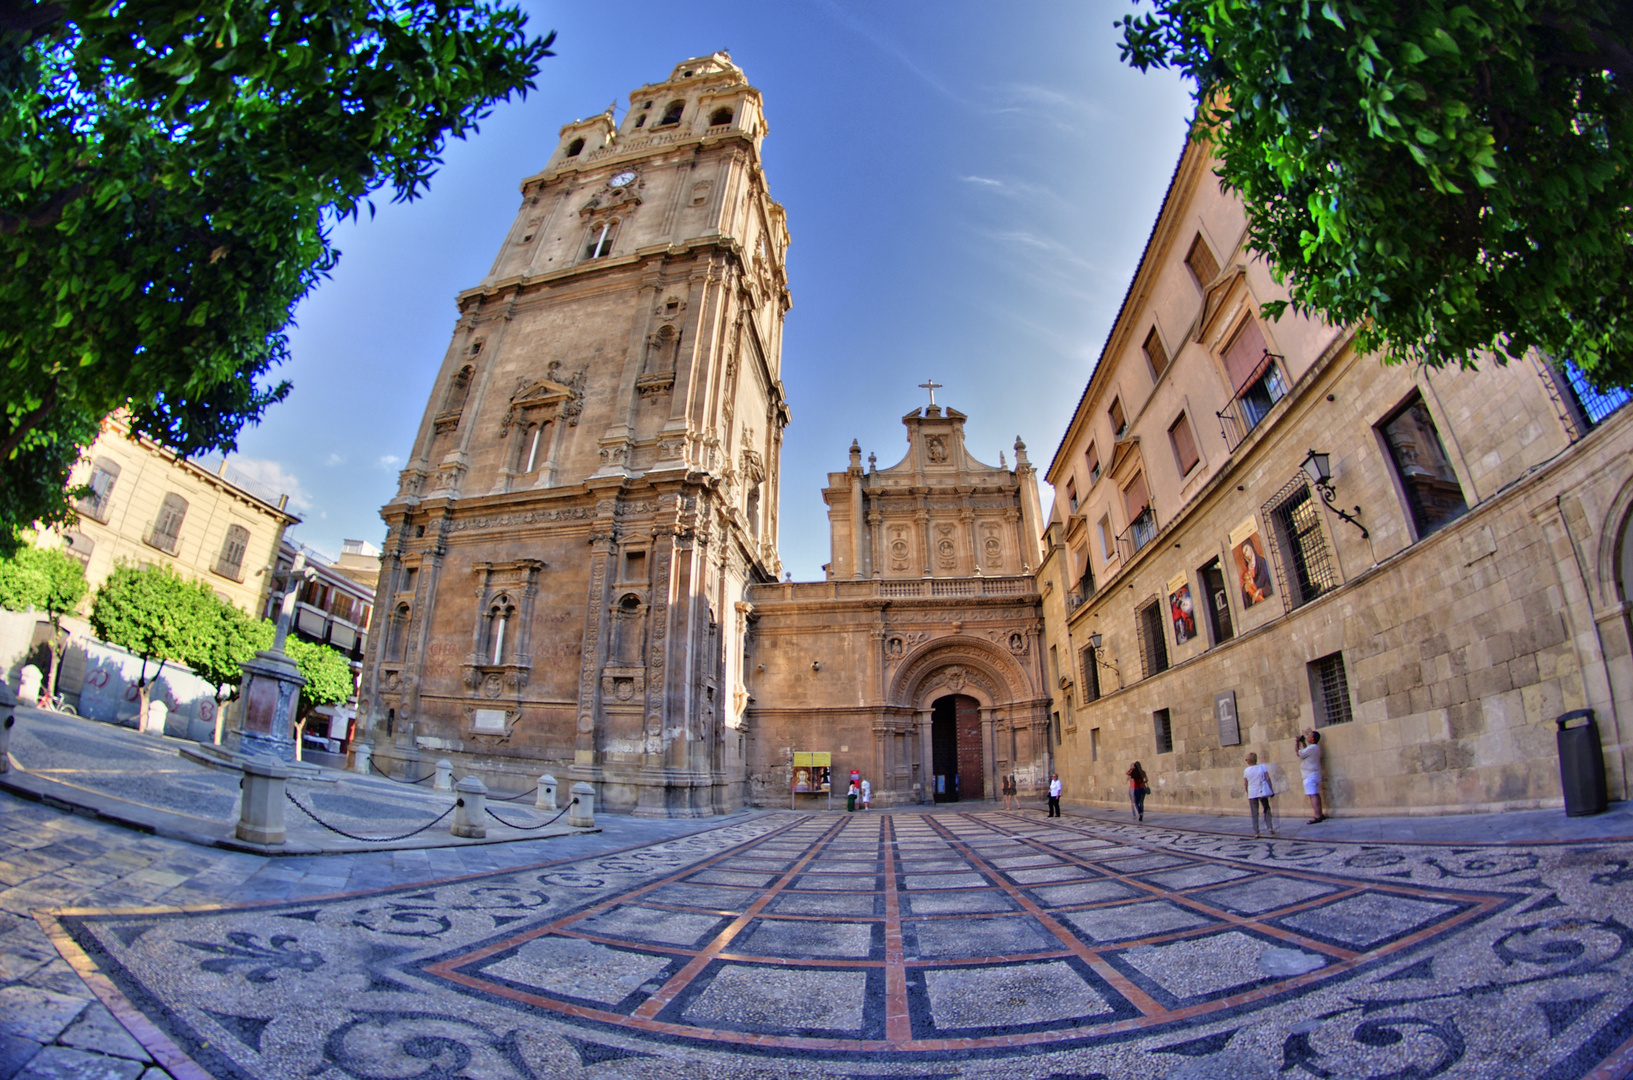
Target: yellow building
point(147, 506)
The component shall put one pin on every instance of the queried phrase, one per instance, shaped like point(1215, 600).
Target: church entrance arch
point(957, 754)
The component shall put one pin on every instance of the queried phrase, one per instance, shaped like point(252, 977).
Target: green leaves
point(165, 174)
point(1455, 179)
point(49, 580)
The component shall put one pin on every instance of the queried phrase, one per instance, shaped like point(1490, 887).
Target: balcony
point(921, 589)
point(1140, 532)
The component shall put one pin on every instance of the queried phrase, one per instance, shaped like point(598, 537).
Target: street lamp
point(1318, 468)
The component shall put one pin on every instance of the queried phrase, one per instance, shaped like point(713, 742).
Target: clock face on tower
point(621, 179)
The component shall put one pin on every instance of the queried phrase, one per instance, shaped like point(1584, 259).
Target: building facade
point(335, 608)
point(145, 505)
point(919, 662)
point(594, 483)
point(1258, 530)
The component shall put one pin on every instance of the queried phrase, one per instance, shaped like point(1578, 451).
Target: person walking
point(850, 798)
point(1009, 791)
point(1138, 787)
point(1309, 763)
point(1054, 794)
point(1256, 779)
point(867, 793)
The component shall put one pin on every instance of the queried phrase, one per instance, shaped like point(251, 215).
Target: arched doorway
point(955, 748)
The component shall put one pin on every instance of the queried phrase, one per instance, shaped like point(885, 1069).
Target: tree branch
point(49, 214)
point(29, 422)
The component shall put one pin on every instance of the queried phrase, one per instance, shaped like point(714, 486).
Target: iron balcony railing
point(1140, 532)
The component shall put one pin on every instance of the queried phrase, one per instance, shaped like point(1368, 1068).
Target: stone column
point(272, 686)
point(927, 771)
point(989, 755)
point(261, 802)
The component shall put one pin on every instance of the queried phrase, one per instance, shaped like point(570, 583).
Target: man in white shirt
point(1256, 778)
point(1309, 764)
point(1054, 794)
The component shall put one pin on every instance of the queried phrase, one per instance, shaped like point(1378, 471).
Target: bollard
point(157, 713)
point(445, 776)
point(261, 803)
point(470, 810)
point(28, 686)
point(361, 752)
point(547, 793)
point(581, 813)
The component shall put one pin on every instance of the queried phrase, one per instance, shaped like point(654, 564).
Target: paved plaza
point(939, 944)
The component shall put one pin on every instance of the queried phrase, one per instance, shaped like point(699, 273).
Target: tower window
point(672, 114)
point(575, 148)
point(719, 117)
point(601, 245)
point(640, 121)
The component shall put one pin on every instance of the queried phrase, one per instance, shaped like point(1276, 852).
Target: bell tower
point(594, 482)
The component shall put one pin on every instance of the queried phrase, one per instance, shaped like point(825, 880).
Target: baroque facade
point(1436, 588)
point(594, 481)
point(918, 662)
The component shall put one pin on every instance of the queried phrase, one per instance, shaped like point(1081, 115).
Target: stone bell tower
point(594, 482)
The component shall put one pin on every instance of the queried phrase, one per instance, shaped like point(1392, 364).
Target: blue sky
point(968, 188)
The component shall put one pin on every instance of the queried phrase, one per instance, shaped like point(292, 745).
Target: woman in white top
point(1256, 778)
point(1309, 763)
point(867, 794)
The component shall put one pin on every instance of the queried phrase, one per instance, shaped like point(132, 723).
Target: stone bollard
point(261, 803)
point(471, 809)
point(547, 793)
point(28, 685)
point(445, 776)
point(582, 812)
point(157, 713)
point(361, 752)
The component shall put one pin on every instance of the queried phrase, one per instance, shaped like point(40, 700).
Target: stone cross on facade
point(932, 386)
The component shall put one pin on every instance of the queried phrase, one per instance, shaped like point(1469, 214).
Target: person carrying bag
point(1138, 788)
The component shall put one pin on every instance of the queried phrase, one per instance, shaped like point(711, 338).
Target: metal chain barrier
point(509, 798)
point(364, 839)
point(394, 780)
point(530, 828)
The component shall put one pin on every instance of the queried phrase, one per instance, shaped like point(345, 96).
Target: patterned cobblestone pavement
point(935, 945)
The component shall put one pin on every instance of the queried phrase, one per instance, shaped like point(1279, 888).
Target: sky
point(969, 187)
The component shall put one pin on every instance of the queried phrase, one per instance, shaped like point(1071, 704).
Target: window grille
point(1303, 566)
point(1329, 690)
point(1164, 725)
point(1153, 644)
point(1596, 405)
point(1091, 676)
point(166, 534)
point(1216, 602)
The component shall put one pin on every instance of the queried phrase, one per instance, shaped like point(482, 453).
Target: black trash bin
point(1582, 765)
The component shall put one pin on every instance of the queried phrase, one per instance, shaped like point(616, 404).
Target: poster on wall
point(1224, 711)
point(1181, 610)
point(1247, 556)
point(813, 773)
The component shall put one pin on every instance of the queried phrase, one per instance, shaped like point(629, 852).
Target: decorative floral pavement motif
point(978, 944)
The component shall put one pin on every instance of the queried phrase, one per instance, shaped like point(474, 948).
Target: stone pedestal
point(158, 714)
point(470, 812)
point(28, 685)
point(546, 799)
point(582, 813)
point(271, 691)
point(361, 753)
point(444, 779)
point(261, 803)
point(8, 702)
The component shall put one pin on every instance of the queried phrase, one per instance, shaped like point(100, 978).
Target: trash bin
point(1582, 765)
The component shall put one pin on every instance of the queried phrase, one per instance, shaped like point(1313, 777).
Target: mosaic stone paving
point(935, 945)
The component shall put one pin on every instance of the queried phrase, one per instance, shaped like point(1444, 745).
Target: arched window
point(499, 615)
point(720, 116)
point(103, 475)
point(167, 528)
point(601, 239)
point(532, 448)
point(458, 388)
point(231, 562)
point(575, 148)
point(640, 121)
point(397, 633)
point(672, 114)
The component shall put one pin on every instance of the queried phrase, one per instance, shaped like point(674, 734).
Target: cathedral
point(581, 571)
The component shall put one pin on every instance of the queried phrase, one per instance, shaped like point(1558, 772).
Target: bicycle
point(58, 703)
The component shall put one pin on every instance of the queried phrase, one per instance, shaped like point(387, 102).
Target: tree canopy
point(166, 175)
point(49, 580)
point(1451, 177)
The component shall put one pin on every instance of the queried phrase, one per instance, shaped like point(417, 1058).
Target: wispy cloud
point(334, 459)
point(388, 460)
point(891, 49)
point(985, 181)
point(269, 478)
point(1045, 105)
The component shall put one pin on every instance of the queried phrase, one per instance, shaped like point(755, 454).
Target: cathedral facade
point(594, 483)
